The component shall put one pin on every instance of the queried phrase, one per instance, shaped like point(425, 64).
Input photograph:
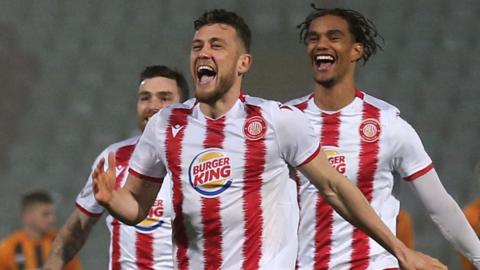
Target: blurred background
point(69, 72)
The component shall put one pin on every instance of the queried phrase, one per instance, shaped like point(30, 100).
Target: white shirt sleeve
point(409, 157)
point(296, 138)
point(146, 159)
point(447, 215)
point(85, 200)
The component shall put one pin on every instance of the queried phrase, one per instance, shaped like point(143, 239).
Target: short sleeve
point(296, 138)
point(410, 158)
point(85, 200)
point(146, 160)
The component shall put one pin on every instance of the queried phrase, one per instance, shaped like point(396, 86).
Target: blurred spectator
point(405, 229)
point(27, 248)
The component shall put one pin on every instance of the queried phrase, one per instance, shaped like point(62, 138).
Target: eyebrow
point(166, 92)
point(211, 40)
point(329, 32)
point(335, 31)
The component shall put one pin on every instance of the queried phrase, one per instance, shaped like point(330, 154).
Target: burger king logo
point(210, 172)
point(254, 128)
point(370, 130)
point(153, 219)
point(336, 159)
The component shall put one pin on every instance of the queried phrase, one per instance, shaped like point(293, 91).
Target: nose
point(321, 43)
point(204, 55)
point(156, 104)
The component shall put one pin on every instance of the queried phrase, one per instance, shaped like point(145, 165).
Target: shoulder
point(301, 103)
point(165, 114)
point(115, 147)
point(271, 109)
point(390, 115)
point(124, 143)
point(381, 105)
point(12, 239)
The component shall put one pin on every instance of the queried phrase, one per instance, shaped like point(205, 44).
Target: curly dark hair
point(229, 18)
point(363, 30)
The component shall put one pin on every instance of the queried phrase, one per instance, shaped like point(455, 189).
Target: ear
point(357, 52)
point(244, 63)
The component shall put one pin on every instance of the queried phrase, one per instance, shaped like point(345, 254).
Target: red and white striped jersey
point(148, 245)
point(235, 206)
point(366, 141)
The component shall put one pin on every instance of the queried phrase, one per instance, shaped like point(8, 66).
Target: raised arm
point(69, 240)
point(447, 215)
point(131, 203)
point(350, 203)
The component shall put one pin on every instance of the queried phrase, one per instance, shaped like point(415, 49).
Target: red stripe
point(302, 106)
point(173, 146)
point(324, 212)
point(419, 173)
point(144, 251)
point(86, 212)
point(359, 94)
point(294, 174)
point(122, 156)
point(366, 173)
point(254, 166)
point(116, 245)
point(211, 220)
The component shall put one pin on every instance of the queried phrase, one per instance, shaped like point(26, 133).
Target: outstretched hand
point(418, 261)
point(104, 181)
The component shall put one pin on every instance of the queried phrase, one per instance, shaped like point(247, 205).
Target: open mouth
point(205, 74)
point(324, 61)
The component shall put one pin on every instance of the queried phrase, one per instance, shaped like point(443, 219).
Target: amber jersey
point(20, 252)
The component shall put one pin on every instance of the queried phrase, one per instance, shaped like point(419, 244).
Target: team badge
point(255, 128)
point(153, 219)
point(210, 172)
point(370, 130)
point(336, 159)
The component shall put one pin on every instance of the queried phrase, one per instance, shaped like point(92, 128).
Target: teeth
point(204, 67)
point(324, 58)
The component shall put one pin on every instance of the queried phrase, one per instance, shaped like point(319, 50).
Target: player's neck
point(31, 233)
point(334, 98)
point(221, 106)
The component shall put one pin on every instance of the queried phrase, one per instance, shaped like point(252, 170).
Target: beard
point(224, 85)
point(326, 83)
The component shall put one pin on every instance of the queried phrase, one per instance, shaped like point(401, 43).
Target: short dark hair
point(167, 72)
point(229, 18)
point(36, 197)
point(363, 30)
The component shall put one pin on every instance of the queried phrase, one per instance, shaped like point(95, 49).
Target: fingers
point(111, 163)
point(96, 173)
point(430, 262)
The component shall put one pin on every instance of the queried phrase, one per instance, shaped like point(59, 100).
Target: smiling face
point(217, 61)
point(154, 94)
point(332, 50)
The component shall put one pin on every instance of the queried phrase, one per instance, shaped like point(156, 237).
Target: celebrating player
point(235, 206)
point(148, 244)
point(366, 140)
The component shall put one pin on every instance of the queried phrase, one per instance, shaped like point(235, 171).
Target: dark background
point(68, 82)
